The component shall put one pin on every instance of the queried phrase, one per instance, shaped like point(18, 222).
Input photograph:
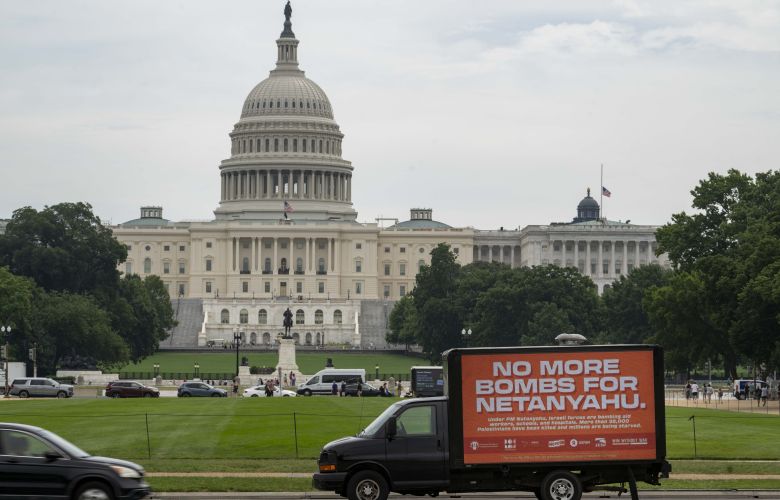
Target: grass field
point(221, 361)
point(286, 435)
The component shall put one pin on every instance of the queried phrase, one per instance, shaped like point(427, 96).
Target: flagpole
point(601, 195)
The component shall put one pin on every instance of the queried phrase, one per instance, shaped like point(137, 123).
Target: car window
point(37, 382)
point(22, 444)
point(50, 382)
point(313, 380)
point(134, 385)
point(19, 381)
point(419, 420)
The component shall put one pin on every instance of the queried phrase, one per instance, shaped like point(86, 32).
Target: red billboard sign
point(558, 407)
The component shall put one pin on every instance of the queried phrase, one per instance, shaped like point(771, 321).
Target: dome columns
point(286, 184)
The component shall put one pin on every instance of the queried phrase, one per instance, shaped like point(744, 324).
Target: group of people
point(341, 390)
point(692, 391)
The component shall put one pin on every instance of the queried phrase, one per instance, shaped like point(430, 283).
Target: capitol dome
point(285, 157)
point(588, 209)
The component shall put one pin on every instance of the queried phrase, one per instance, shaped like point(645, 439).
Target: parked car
point(40, 464)
point(200, 389)
point(368, 390)
point(130, 389)
point(39, 387)
point(258, 391)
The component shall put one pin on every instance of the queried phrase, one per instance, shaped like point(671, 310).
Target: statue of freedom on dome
point(287, 11)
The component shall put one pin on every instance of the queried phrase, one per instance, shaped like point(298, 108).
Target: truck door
point(415, 455)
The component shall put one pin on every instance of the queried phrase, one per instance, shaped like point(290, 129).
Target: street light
point(466, 334)
point(377, 371)
point(156, 370)
point(6, 330)
point(197, 370)
point(236, 341)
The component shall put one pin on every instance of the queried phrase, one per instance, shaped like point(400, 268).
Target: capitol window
point(225, 316)
point(337, 317)
point(245, 286)
point(402, 290)
point(166, 248)
point(321, 287)
point(403, 249)
point(208, 244)
point(181, 267)
point(262, 317)
point(208, 287)
point(181, 248)
point(147, 265)
point(358, 265)
point(128, 268)
point(267, 144)
point(243, 317)
point(402, 269)
point(285, 145)
point(320, 145)
point(276, 145)
point(300, 317)
point(267, 286)
point(358, 287)
point(295, 144)
point(303, 144)
point(387, 269)
point(166, 268)
point(318, 317)
point(387, 291)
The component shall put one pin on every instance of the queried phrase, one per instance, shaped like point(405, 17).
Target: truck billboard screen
point(558, 407)
point(427, 381)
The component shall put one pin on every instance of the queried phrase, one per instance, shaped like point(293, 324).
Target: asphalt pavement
point(646, 495)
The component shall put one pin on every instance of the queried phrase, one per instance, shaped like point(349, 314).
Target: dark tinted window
point(19, 381)
point(38, 382)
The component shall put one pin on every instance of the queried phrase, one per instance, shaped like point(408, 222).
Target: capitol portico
point(285, 233)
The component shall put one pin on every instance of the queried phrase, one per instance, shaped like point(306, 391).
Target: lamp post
point(377, 371)
point(34, 358)
point(236, 341)
point(156, 370)
point(197, 370)
point(6, 330)
point(466, 334)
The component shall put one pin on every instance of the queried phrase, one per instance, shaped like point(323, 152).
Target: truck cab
point(403, 450)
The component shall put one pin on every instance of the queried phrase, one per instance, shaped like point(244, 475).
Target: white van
point(322, 381)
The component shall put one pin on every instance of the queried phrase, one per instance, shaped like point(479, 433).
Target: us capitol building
point(285, 234)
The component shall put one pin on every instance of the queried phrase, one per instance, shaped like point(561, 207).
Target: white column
point(253, 261)
point(236, 246)
point(329, 262)
point(274, 263)
point(267, 183)
point(307, 256)
point(611, 258)
point(624, 264)
point(280, 181)
point(600, 265)
point(587, 254)
point(490, 253)
point(257, 185)
point(512, 256)
point(563, 253)
point(290, 263)
point(636, 253)
point(577, 254)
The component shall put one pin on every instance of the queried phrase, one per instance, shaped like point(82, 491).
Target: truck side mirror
point(392, 428)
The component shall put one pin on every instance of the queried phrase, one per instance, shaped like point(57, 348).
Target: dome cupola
point(588, 209)
point(286, 149)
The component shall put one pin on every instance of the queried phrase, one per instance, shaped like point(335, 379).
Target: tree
point(64, 247)
point(142, 314)
point(403, 322)
point(627, 321)
point(17, 296)
point(72, 324)
point(732, 245)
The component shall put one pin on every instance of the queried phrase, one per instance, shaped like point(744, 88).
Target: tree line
point(60, 290)
point(719, 303)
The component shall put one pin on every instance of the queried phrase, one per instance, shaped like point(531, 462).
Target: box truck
point(555, 421)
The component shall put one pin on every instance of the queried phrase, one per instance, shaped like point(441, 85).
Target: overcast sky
point(492, 113)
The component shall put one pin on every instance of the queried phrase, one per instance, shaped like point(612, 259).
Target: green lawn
point(221, 361)
point(290, 428)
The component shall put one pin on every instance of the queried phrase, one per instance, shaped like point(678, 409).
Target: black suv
point(36, 463)
point(129, 389)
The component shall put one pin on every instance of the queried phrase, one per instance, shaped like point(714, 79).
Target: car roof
point(20, 427)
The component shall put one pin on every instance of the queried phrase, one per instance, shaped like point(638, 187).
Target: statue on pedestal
point(287, 323)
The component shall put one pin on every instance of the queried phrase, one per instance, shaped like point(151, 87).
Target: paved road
point(670, 495)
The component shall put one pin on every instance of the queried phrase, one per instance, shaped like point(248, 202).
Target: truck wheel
point(367, 485)
point(561, 485)
point(307, 392)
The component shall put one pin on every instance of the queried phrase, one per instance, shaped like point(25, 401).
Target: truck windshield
point(379, 422)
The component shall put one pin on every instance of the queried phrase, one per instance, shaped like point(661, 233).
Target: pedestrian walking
point(720, 394)
point(334, 389)
point(360, 388)
point(292, 379)
point(764, 394)
point(343, 391)
point(695, 391)
point(400, 390)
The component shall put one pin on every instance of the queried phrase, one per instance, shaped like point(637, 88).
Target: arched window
point(262, 317)
point(147, 265)
point(308, 338)
point(299, 265)
point(295, 144)
point(285, 145)
point(318, 317)
point(319, 338)
point(303, 143)
point(337, 316)
point(300, 317)
point(297, 338)
point(320, 145)
point(276, 145)
point(267, 338)
point(243, 317)
point(253, 338)
point(224, 316)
